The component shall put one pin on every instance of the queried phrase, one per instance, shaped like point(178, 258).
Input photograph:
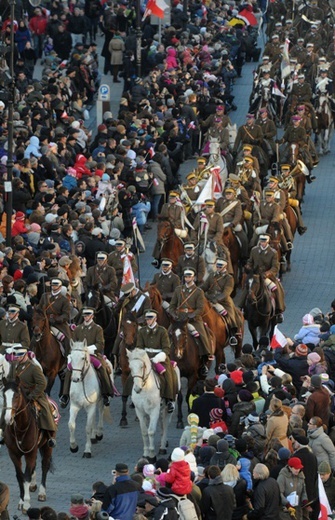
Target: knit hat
point(213, 439)
point(193, 418)
point(295, 463)
point(237, 377)
point(324, 468)
point(19, 215)
point(301, 350)
point(177, 455)
point(230, 439)
point(314, 357)
point(316, 381)
point(308, 319)
point(245, 396)
point(206, 434)
point(149, 470)
point(216, 414)
point(284, 454)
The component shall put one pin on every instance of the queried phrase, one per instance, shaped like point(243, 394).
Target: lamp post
point(138, 39)
point(10, 163)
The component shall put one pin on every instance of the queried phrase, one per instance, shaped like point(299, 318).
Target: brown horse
point(274, 230)
point(128, 333)
point(156, 304)
point(170, 245)
point(23, 438)
point(46, 348)
point(230, 241)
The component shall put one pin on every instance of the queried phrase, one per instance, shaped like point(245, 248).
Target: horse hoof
point(162, 452)
point(87, 455)
point(74, 450)
point(19, 507)
point(24, 511)
point(99, 437)
point(123, 423)
point(42, 498)
point(94, 441)
point(32, 489)
point(180, 425)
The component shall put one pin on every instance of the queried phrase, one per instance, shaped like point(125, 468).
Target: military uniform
point(15, 332)
point(195, 262)
point(188, 303)
point(33, 381)
point(115, 259)
point(137, 304)
point(302, 91)
point(288, 185)
point(221, 134)
point(103, 277)
point(166, 284)
point(214, 229)
point(58, 311)
point(174, 213)
point(273, 50)
point(208, 123)
point(248, 135)
point(269, 212)
point(153, 341)
point(218, 288)
point(234, 217)
point(269, 131)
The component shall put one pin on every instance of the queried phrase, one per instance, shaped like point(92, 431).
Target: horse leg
point(100, 426)
point(153, 421)
point(142, 417)
point(50, 383)
point(30, 468)
point(91, 411)
point(72, 427)
point(180, 422)
point(253, 332)
point(123, 420)
point(19, 477)
point(33, 485)
point(164, 420)
point(46, 456)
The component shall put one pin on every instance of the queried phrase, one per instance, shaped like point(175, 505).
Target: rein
point(257, 300)
point(83, 372)
point(24, 431)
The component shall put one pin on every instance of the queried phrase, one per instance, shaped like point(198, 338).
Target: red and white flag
point(128, 275)
point(277, 92)
point(155, 7)
point(151, 152)
point(137, 234)
point(285, 61)
point(206, 192)
point(217, 182)
point(278, 339)
point(325, 509)
point(247, 16)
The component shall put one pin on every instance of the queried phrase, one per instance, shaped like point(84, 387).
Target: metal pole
point(138, 39)
point(10, 163)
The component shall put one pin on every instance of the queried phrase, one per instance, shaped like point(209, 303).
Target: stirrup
point(289, 245)
point(64, 401)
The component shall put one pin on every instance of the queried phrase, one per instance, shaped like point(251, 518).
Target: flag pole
point(138, 39)
point(159, 31)
point(134, 226)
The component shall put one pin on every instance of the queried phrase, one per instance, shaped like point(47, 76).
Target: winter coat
point(80, 166)
point(222, 457)
point(266, 500)
point(33, 148)
point(179, 476)
point(240, 410)
point(140, 211)
point(310, 463)
point(19, 228)
point(296, 366)
point(185, 439)
point(322, 446)
point(277, 427)
point(22, 36)
point(258, 433)
point(309, 334)
point(318, 405)
point(329, 486)
point(216, 498)
point(230, 392)
point(158, 187)
point(204, 404)
point(171, 60)
point(116, 48)
point(288, 483)
point(245, 471)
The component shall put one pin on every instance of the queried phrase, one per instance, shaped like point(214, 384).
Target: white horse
point(325, 124)
point(216, 159)
point(84, 393)
point(147, 400)
point(4, 371)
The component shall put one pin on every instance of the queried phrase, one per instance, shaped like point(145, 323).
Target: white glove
point(159, 358)
point(91, 349)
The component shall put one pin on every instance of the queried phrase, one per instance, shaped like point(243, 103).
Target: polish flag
point(151, 152)
point(278, 339)
point(277, 92)
point(155, 7)
point(325, 510)
point(206, 192)
point(128, 275)
point(247, 17)
point(217, 183)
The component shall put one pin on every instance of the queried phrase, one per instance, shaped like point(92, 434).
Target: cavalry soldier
point(324, 86)
point(302, 90)
point(58, 310)
point(322, 65)
point(264, 66)
point(187, 303)
point(264, 260)
point(281, 198)
point(218, 288)
point(241, 193)
point(219, 112)
point(248, 134)
point(175, 213)
point(154, 339)
point(192, 189)
point(116, 260)
point(208, 227)
point(313, 11)
point(166, 281)
point(103, 276)
point(295, 134)
point(313, 36)
point(298, 51)
point(276, 11)
point(310, 64)
point(248, 175)
point(201, 167)
point(309, 123)
point(268, 127)
point(272, 49)
point(288, 184)
point(219, 132)
point(193, 260)
point(94, 336)
point(33, 382)
point(230, 209)
point(290, 32)
point(12, 330)
point(247, 152)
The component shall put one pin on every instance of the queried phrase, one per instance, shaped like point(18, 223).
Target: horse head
point(178, 334)
point(13, 398)
point(80, 360)
point(164, 230)
point(94, 297)
point(39, 323)
point(140, 368)
point(254, 286)
point(129, 329)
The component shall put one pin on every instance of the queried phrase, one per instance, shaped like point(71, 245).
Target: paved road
point(309, 284)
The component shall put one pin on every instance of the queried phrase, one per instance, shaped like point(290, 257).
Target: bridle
point(42, 329)
point(144, 376)
point(17, 411)
point(85, 368)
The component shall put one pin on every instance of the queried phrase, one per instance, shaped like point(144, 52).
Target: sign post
point(103, 102)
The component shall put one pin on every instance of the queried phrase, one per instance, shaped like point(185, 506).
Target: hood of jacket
point(316, 433)
point(223, 447)
point(215, 481)
point(229, 386)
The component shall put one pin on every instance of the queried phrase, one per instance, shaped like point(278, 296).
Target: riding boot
point(65, 397)
point(105, 384)
point(51, 438)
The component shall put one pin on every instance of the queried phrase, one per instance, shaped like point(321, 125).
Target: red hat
point(301, 350)
point(19, 215)
point(101, 128)
point(237, 377)
point(295, 462)
point(216, 414)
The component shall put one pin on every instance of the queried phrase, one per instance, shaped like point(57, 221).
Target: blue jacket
point(120, 499)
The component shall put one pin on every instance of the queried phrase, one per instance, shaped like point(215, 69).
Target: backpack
point(186, 508)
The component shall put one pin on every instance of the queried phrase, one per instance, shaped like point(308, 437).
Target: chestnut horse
point(156, 304)
point(170, 245)
point(23, 438)
point(258, 308)
point(128, 333)
point(47, 349)
point(230, 241)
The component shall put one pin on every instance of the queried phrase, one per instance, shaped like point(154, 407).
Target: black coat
point(241, 508)
point(266, 500)
point(310, 470)
point(204, 404)
point(296, 366)
point(216, 499)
